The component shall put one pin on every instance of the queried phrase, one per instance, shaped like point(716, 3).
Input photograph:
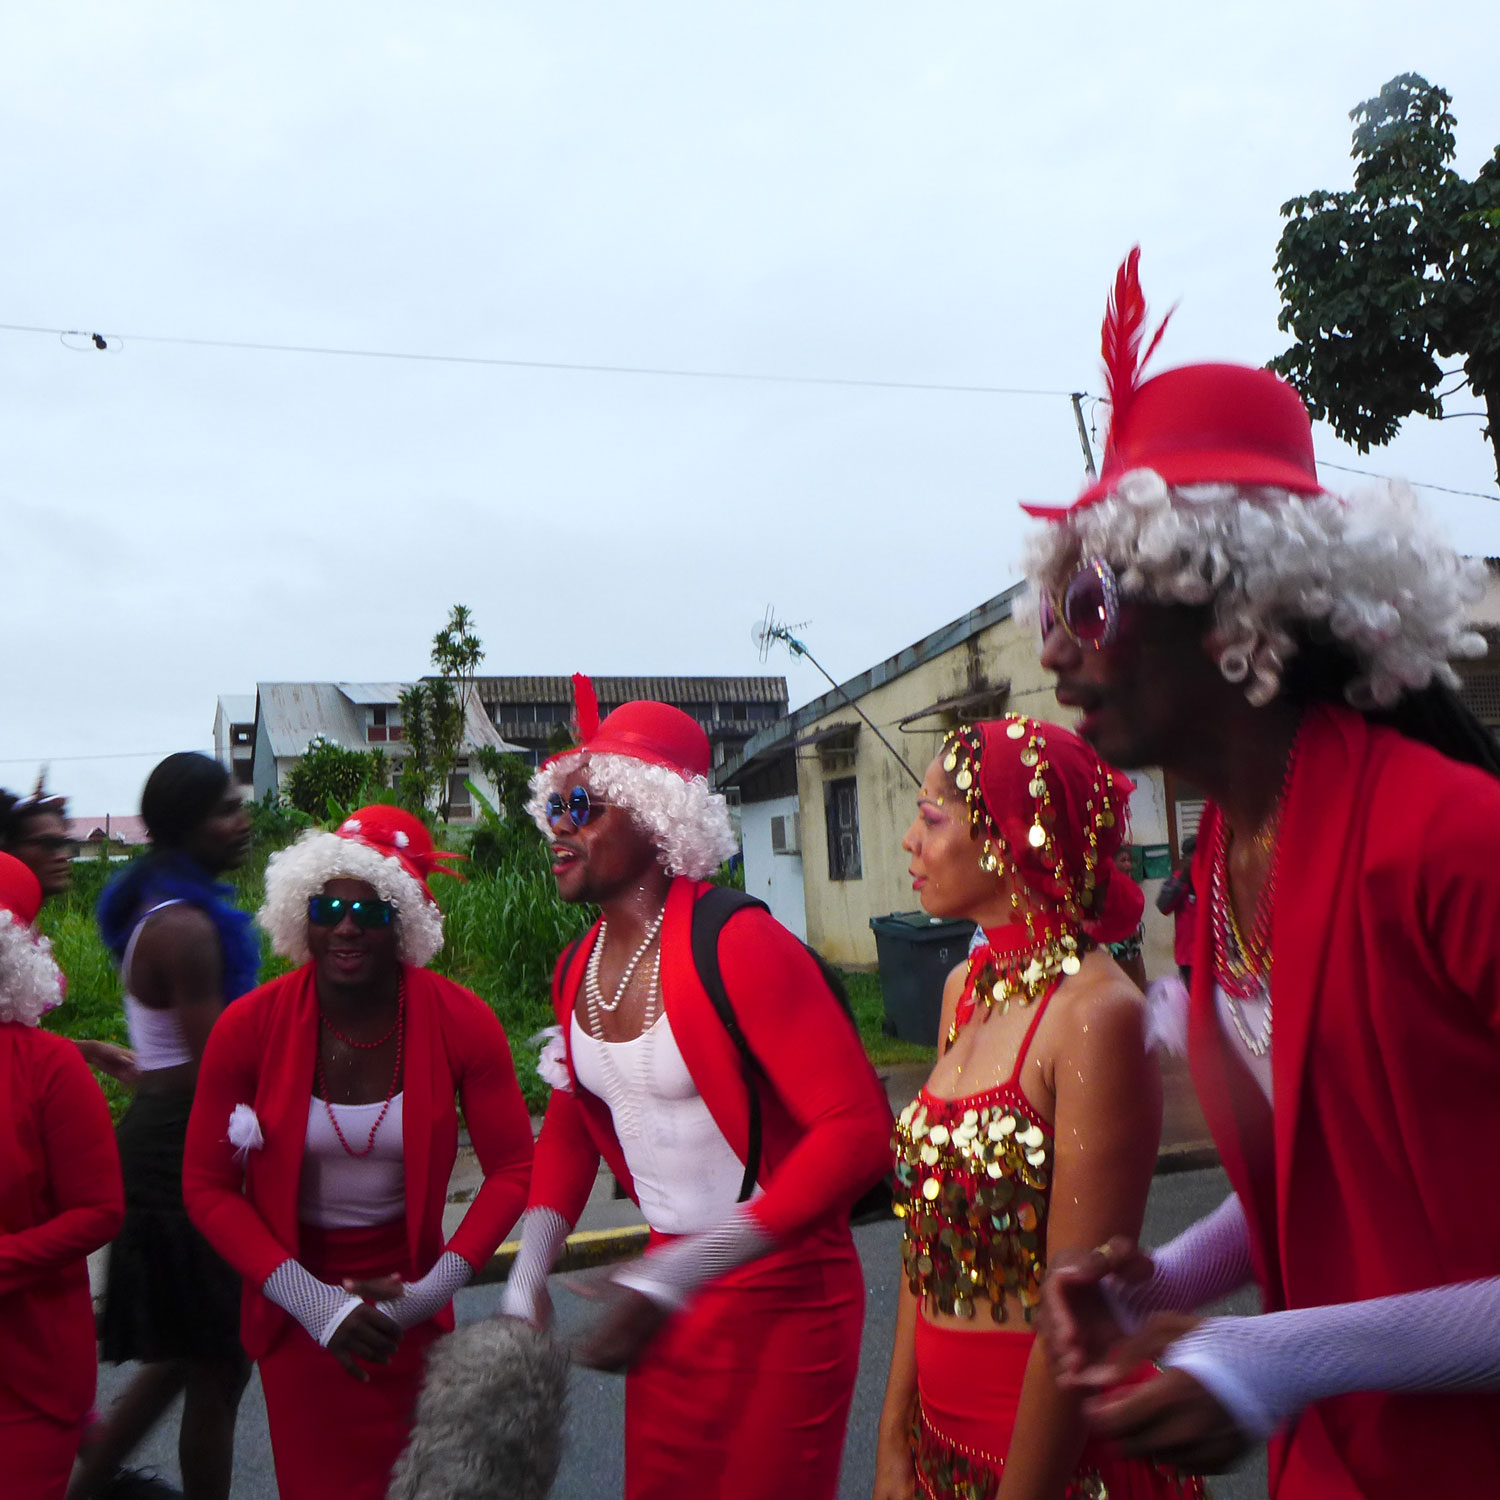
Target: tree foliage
point(434, 714)
point(1380, 283)
point(329, 779)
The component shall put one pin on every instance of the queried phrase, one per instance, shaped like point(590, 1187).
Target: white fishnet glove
point(429, 1294)
point(316, 1305)
point(1265, 1369)
point(544, 1231)
point(1207, 1261)
point(669, 1276)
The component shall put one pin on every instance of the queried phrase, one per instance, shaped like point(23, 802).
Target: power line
point(669, 372)
point(20, 760)
point(1421, 484)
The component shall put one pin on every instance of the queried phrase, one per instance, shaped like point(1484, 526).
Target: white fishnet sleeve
point(544, 1231)
point(671, 1275)
point(428, 1295)
point(1265, 1369)
point(317, 1306)
point(1207, 1261)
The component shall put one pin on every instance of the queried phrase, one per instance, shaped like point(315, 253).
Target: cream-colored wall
point(839, 912)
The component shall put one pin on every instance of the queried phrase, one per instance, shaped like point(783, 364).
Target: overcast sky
point(886, 192)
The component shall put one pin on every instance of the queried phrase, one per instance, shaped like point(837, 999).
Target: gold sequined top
point(973, 1180)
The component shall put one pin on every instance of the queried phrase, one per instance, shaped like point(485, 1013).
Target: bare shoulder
point(173, 925)
point(1097, 1007)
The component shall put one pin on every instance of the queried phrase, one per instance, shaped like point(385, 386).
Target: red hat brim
point(1191, 467)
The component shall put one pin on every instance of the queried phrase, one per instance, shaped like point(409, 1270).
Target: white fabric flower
point(1167, 1015)
point(244, 1132)
point(552, 1064)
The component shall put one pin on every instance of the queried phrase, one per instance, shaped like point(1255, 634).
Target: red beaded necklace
point(399, 1033)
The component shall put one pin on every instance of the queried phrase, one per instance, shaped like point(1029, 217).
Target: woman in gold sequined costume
point(1037, 1130)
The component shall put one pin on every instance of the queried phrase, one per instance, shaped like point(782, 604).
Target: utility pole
point(1083, 434)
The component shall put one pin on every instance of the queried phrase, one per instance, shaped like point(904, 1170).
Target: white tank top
point(687, 1177)
point(1253, 1014)
point(156, 1036)
point(340, 1191)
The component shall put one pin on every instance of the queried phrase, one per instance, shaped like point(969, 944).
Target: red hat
point(399, 835)
point(644, 730)
point(1198, 424)
point(20, 890)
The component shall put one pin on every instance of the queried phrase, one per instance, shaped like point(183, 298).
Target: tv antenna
point(768, 631)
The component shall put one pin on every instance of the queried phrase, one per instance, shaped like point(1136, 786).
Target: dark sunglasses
point(578, 805)
point(1087, 606)
point(329, 911)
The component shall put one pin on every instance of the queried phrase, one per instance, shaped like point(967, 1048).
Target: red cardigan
point(1377, 1174)
point(826, 1133)
point(60, 1198)
point(262, 1052)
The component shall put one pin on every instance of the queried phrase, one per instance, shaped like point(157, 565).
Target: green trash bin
point(916, 954)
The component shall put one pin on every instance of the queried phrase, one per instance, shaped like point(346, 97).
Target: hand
point(895, 1471)
point(365, 1335)
point(1077, 1324)
point(629, 1321)
point(116, 1062)
point(1170, 1417)
point(375, 1288)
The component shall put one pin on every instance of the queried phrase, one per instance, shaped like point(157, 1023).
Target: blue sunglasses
point(329, 911)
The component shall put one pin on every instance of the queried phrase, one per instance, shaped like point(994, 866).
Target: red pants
point(745, 1395)
point(969, 1389)
point(36, 1451)
point(333, 1437)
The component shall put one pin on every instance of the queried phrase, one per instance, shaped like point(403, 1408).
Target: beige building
point(824, 804)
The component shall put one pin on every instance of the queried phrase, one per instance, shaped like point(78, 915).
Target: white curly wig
point(688, 822)
point(1375, 573)
point(301, 871)
point(31, 984)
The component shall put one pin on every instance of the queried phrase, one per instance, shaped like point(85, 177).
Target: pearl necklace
point(592, 987)
point(619, 1096)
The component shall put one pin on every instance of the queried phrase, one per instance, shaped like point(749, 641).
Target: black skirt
point(169, 1295)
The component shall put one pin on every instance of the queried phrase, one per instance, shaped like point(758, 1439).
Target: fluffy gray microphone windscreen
point(490, 1416)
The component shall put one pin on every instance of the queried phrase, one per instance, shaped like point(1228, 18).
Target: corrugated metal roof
point(237, 708)
point(613, 690)
point(291, 713)
point(371, 692)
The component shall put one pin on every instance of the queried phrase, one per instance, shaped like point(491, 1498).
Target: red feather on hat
point(1120, 337)
point(585, 707)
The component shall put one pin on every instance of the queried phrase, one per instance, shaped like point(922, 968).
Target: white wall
point(775, 878)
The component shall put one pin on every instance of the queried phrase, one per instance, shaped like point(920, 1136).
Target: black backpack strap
point(711, 911)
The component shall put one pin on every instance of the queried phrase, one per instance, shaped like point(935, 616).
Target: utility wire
point(1421, 484)
point(670, 372)
point(18, 760)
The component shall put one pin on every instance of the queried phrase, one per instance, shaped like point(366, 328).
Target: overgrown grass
point(869, 1015)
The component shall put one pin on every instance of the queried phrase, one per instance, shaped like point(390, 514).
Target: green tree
point(511, 777)
point(329, 779)
point(456, 654)
point(1380, 283)
point(414, 786)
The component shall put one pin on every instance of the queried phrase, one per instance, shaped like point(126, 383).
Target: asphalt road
point(592, 1468)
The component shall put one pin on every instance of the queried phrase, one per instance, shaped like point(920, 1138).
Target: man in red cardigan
point(740, 1326)
point(1210, 609)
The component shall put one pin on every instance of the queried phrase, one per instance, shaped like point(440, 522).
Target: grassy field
point(503, 931)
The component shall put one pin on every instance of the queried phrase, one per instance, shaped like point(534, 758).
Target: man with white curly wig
point(1208, 607)
point(322, 1140)
point(740, 1326)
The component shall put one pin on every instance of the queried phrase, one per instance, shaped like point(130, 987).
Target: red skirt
point(36, 1451)
point(332, 1435)
point(969, 1389)
point(745, 1395)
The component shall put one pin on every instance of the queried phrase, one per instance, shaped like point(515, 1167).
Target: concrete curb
point(603, 1247)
